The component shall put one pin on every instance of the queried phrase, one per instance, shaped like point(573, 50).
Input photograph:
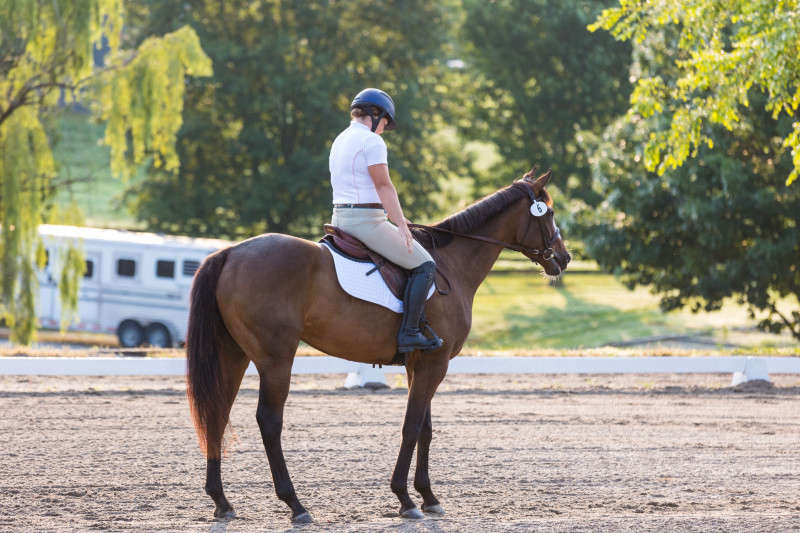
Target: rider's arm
point(388, 195)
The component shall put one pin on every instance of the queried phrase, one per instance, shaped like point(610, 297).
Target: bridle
point(546, 253)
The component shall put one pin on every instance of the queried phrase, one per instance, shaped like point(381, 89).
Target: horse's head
point(538, 230)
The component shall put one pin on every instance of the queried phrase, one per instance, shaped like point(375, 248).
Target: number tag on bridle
point(538, 208)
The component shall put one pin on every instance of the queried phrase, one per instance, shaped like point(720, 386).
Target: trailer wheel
point(130, 334)
point(157, 335)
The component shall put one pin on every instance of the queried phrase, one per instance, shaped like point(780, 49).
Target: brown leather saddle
point(395, 276)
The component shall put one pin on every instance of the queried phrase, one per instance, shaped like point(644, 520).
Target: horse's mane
point(473, 217)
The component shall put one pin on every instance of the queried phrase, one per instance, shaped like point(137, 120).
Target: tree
point(46, 54)
point(255, 142)
point(538, 77)
point(721, 225)
point(723, 51)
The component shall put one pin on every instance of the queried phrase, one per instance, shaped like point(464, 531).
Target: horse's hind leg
point(233, 365)
point(422, 483)
point(275, 374)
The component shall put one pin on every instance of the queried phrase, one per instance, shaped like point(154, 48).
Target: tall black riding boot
point(410, 336)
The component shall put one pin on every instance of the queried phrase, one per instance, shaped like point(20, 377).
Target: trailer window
point(165, 269)
point(190, 267)
point(89, 270)
point(126, 268)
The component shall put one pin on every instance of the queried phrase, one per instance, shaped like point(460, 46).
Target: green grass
point(522, 311)
point(81, 157)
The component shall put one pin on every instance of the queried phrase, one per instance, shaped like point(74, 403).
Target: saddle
point(395, 276)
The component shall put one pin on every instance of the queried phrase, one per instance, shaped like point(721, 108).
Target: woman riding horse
point(363, 195)
point(255, 301)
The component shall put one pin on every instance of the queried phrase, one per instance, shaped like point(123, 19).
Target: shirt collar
point(359, 125)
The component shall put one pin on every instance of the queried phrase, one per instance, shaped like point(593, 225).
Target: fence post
point(366, 376)
point(755, 368)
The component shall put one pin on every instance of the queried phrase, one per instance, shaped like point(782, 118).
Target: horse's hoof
point(302, 518)
point(433, 509)
point(225, 515)
point(412, 514)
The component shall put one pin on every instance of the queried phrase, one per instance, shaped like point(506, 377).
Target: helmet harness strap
point(377, 120)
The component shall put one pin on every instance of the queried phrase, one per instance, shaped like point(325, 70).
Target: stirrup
point(429, 330)
point(430, 343)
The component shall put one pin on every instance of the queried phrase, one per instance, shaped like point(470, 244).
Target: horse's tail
point(204, 386)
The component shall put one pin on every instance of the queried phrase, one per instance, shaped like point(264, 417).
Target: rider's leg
point(377, 233)
point(371, 227)
point(410, 336)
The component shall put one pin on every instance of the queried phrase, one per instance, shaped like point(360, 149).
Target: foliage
point(536, 77)
point(723, 52)
point(719, 222)
point(721, 225)
point(46, 54)
point(25, 166)
point(254, 145)
point(69, 264)
point(73, 267)
point(142, 103)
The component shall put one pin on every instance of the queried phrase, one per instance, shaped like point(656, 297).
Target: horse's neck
point(474, 259)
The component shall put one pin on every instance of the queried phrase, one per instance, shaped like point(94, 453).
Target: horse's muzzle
point(562, 259)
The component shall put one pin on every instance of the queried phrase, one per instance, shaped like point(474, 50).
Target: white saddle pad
point(354, 281)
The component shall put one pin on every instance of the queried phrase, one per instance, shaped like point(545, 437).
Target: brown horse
point(256, 300)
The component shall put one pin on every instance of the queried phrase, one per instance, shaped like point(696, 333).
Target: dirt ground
point(510, 453)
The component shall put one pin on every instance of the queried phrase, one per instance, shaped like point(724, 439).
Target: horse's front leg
point(422, 482)
point(424, 380)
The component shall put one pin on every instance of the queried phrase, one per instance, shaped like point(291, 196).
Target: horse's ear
point(542, 181)
point(528, 176)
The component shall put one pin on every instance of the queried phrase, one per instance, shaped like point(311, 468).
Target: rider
point(363, 195)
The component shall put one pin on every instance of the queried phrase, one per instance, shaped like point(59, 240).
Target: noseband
point(546, 254)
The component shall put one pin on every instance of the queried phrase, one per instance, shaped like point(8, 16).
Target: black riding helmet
point(376, 98)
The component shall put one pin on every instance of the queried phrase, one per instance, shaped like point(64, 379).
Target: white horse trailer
point(135, 285)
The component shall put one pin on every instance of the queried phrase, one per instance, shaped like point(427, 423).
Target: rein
point(531, 253)
point(545, 254)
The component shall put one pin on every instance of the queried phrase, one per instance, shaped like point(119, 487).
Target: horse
point(256, 300)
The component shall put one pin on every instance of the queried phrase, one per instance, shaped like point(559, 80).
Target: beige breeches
point(371, 227)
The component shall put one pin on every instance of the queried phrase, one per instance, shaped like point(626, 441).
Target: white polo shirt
point(353, 150)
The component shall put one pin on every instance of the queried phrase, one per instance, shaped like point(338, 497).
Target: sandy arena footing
point(510, 453)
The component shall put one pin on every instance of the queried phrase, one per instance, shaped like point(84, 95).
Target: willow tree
point(46, 55)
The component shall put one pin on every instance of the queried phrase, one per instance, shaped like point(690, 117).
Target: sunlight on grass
point(522, 311)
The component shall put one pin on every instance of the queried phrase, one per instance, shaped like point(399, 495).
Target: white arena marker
point(755, 368)
point(366, 376)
